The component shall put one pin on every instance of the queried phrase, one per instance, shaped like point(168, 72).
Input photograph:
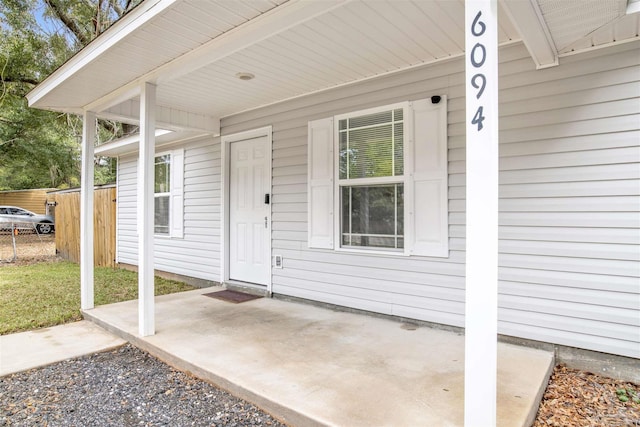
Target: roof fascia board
point(598, 47)
point(128, 24)
point(527, 18)
point(166, 117)
point(271, 23)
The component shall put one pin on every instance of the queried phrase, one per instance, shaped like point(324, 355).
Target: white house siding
point(570, 186)
point(197, 254)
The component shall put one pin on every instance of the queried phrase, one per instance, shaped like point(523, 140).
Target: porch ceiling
point(194, 50)
point(355, 41)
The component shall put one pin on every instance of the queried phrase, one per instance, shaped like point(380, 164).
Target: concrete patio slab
point(40, 347)
point(314, 366)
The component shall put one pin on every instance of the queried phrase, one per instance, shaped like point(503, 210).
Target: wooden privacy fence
point(104, 226)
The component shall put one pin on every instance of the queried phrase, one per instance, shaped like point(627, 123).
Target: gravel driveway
point(123, 387)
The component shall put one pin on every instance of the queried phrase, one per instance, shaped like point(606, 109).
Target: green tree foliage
point(42, 148)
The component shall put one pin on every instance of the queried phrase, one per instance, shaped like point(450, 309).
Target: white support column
point(481, 311)
point(146, 315)
point(86, 211)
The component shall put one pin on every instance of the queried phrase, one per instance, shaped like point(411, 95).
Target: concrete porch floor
point(309, 365)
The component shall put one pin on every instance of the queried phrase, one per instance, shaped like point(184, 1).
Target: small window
point(162, 194)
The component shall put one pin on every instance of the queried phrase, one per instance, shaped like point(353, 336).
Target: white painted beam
point(528, 20)
point(146, 161)
point(166, 117)
point(481, 277)
point(86, 211)
point(118, 96)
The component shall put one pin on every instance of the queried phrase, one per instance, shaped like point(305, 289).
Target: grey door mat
point(232, 296)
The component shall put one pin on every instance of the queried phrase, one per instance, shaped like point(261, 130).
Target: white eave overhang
point(193, 50)
point(122, 29)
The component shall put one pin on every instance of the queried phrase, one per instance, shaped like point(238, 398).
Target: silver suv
point(11, 214)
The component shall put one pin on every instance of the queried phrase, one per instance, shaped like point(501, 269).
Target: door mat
point(232, 296)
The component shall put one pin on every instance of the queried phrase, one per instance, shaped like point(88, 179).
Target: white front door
point(249, 211)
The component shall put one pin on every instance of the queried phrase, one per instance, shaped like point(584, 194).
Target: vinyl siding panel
point(569, 201)
point(197, 254)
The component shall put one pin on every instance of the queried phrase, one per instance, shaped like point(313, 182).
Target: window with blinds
point(371, 173)
point(377, 180)
point(372, 145)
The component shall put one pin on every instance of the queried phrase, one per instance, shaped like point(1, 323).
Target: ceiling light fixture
point(245, 76)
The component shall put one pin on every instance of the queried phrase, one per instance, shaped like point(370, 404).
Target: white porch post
point(86, 211)
point(146, 315)
point(481, 311)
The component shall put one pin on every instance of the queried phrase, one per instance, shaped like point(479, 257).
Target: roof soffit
point(136, 46)
point(310, 36)
point(193, 51)
point(319, 48)
point(572, 20)
point(114, 35)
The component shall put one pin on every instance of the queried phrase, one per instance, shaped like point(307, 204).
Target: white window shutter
point(429, 222)
point(320, 184)
point(177, 193)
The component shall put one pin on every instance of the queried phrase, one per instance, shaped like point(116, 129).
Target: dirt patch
point(578, 399)
point(30, 248)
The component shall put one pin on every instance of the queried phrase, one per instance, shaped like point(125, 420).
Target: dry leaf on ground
point(576, 398)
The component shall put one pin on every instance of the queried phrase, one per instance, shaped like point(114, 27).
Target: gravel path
point(123, 387)
point(128, 387)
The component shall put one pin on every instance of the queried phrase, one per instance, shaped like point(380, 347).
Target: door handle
point(266, 222)
point(267, 197)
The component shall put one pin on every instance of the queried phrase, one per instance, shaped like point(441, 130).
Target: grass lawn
point(48, 294)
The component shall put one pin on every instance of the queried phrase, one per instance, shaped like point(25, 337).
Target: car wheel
point(44, 228)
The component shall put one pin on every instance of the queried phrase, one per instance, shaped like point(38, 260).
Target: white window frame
point(425, 180)
point(164, 194)
point(358, 182)
point(176, 194)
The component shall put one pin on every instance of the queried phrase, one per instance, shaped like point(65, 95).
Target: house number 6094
point(478, 56)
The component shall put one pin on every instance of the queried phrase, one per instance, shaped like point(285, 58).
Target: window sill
point(375, 252)
point(163, 236)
